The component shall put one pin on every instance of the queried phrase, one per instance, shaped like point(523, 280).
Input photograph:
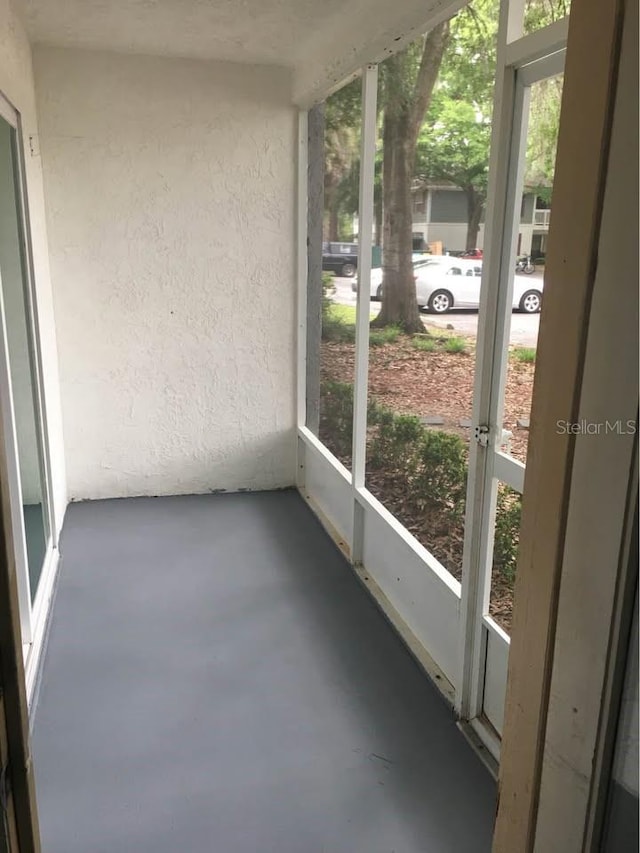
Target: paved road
point(524, 327)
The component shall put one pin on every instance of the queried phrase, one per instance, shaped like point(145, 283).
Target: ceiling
point(323, 41)
point(253, 31)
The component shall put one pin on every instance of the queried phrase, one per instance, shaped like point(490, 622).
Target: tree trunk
point(399, 302)
point(330, 228)
point(404, 111)
point(475, 205)
point(334, 224)
point(377, 209)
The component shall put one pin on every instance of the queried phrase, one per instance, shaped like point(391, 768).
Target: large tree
point(453, 147)
point(408, 79)
point(542, 137)
point(341, 150)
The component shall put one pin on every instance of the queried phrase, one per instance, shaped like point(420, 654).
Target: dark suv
point(340, 258)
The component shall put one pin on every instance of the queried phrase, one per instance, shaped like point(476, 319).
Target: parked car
point(376, 275)
point(443, 283)
point(340, 258)
point(472, 253)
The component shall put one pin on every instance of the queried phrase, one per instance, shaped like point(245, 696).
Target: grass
point(455, 345)
point(388, 335)
point(342, 313)
point(525, 355)
point(424, 344)
point(339, 325)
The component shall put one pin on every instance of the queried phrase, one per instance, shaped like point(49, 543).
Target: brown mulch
point(411, 381)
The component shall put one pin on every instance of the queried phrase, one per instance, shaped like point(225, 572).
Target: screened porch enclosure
point(249, 614)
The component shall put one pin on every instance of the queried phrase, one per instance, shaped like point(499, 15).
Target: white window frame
point(33, 614)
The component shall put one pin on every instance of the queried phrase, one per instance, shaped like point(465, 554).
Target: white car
point(443, 283)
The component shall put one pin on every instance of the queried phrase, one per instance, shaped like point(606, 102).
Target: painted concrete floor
point(217, 680)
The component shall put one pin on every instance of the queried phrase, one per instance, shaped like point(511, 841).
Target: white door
point(496, 472)
point(20, 387)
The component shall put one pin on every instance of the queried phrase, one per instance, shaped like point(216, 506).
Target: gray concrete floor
point(217, 680)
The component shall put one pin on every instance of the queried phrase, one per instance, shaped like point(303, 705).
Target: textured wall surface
point(16, 83)
point(170, 202)
point(251, 31)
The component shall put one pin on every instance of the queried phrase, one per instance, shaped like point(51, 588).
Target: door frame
point(33, 613)
point(21, 815)
point(522, 60)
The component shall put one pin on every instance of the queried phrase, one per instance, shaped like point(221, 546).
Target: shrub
point(432, 463)
point(336, 416)
point(507, 532)
point(395, 441)
point(455, 345)
point(441, 480)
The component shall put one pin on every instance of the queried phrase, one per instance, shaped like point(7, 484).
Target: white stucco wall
point(170, 206)
point(16, 83)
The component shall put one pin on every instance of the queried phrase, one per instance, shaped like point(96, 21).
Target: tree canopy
point(452, 138)
point(454, 141)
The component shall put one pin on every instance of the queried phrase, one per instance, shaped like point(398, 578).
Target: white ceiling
point(323, 41)
point(254, 31)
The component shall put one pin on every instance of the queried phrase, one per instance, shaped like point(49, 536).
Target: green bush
point(336, 417)
point(507, 532)
point(394, 444)
point(431, 465)
point(441, 479)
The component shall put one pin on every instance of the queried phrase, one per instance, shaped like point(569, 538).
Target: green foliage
point(328, 290)
point(542, 138)
point(338, 321)
point(541, 13)
point(424, 344)
point(455, 137)
point(454, 345)
point(342, 116)
point(507, 532)
point(336, 330)
point(430, 464)
point(441, 477)
point(387, 335)
point(525, 355)
point(395, 441)
point(336, 416)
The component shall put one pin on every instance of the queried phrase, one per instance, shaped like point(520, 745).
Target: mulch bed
point(411, 381)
